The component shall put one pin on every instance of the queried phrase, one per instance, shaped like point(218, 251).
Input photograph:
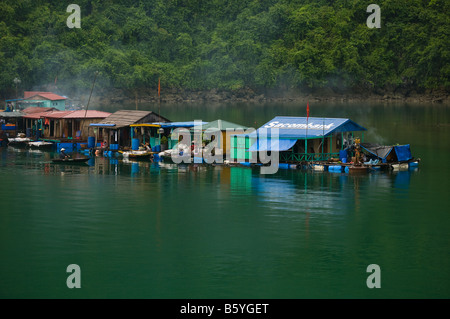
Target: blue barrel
point(343, 156)
point(283, 166)
point(335, 168)
point(91, 142)
point(158, 148)
point(413, 164)
point(135, 144)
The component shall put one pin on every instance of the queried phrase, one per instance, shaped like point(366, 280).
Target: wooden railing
point(291, 157)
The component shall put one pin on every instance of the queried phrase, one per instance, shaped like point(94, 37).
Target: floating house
point(166, 129)
point(116, 129)
point(297, 139)
point(62, 124)
point(226, 129)
point(43, 99)
point(16, 121)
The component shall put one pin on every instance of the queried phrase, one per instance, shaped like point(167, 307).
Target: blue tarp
point(403, 152)
point(300, 127)
point(102, 125)
point(272, 145)
point(180, 124)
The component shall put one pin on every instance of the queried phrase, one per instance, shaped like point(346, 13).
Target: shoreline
point(118, 96)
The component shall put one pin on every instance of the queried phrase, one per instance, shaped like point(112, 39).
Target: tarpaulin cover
point(272, 145)
point(403, 152)
point(180, 124)
point(380, 151)
point(290, 127)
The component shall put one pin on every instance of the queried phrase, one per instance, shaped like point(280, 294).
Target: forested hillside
point(229, 45)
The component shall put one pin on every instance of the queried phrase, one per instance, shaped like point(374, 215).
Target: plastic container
point(343, 155)
point(91, 142)
point(413, 164)
point(135, 144)
point(283, 166)
point(335, 168)
point(245, 164)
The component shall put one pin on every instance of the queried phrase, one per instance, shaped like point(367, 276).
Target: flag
point(159, 87)
point(307, 110)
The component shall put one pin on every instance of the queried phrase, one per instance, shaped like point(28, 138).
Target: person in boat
point(62, 154)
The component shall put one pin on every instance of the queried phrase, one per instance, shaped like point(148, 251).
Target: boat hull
point(70, 160)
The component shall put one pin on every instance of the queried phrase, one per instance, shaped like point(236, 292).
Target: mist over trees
point(229, 45)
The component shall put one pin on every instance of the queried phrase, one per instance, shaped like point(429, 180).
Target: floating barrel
point(283, 166)
point(413, 164)
point(135, 144)
point(91, 142)
point(114, 147)
point(335, 168)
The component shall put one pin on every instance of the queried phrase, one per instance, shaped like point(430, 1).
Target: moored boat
point(40, 144)
point(70, 160)
point(137, 154)
point(19, 141)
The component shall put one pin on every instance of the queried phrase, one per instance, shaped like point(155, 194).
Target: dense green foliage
point(205, 44)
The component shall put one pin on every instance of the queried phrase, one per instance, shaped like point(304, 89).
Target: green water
point(146, 230)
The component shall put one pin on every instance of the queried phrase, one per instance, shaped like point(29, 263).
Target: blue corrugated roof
point(272, 145)
point(180, 124)
point(290, 127)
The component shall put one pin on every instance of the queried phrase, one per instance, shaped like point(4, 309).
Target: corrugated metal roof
point(301, 127)
point(37, 109)
point(28, 94)
point(56, 114)
point(12, 114)
point(222, 125)
point(124, 118)
point(93, 114)
point(36, 115)
point(48, 96)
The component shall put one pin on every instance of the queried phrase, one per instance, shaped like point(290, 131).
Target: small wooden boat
point(40, 145)
point(19, 141)
point(358, 169)
point(70, 160)
point(137, 154)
